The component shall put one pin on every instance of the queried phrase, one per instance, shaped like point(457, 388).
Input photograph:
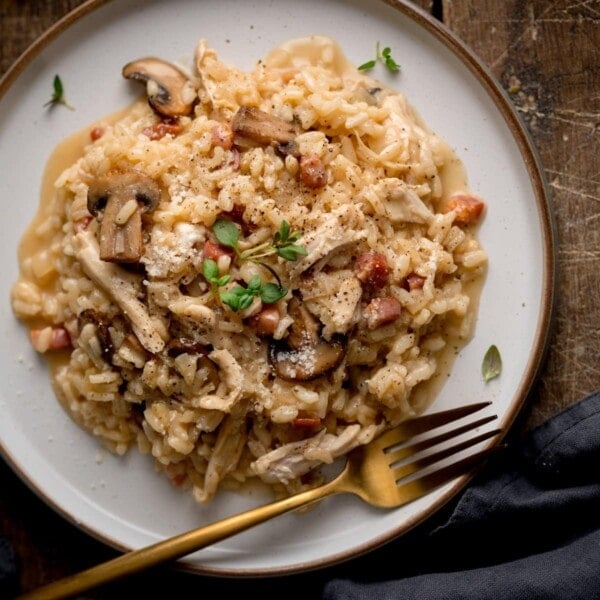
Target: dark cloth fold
point(527, 528)
point(8, 568)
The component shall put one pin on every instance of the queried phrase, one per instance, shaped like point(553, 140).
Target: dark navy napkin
point(527, 528)
point(8, 569)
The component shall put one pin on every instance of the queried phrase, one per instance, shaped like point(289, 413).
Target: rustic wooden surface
point(545, 53)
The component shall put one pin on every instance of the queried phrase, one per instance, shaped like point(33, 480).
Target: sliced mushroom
point(170, 92)
point(259, 126)
point(118, 199)
point(304, 355)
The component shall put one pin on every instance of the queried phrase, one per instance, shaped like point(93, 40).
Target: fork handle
point(176, 547)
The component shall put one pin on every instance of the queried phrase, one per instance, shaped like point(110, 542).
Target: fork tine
point(416, 488)
point(421, 463)
point(412, 449)
point(408, 429)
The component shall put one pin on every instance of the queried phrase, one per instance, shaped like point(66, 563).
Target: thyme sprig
point(384, 56)
point(239, 297)
point(283, 243)
point(58, 94)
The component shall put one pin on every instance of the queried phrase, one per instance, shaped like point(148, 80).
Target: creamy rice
point(376, 300)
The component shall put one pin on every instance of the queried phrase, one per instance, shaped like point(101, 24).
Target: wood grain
point(23, 22)
point(545, 54)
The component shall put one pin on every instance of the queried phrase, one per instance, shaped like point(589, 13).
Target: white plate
point(122, 501)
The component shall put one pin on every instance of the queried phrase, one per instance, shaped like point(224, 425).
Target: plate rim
point(543, 333)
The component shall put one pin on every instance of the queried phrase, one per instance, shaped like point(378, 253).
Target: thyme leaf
point(384, 56)
point(227, 233)
point(367, 65)
point(283, 242)
point(240, 298)
point(491, 367)
point(271, 293)
point(58, 94)
point(210, 270)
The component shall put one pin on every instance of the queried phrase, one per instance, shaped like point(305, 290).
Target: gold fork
point(379, 473)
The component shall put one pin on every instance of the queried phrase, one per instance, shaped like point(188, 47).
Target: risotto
point(246, 275)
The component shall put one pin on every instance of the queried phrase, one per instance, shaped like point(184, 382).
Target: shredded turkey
point(226, 454)
point(334, 298)
point(121, 286)
point(230, 385)
point(401, 203)
point(295, 459)
point(334, 234)
point(192, 308)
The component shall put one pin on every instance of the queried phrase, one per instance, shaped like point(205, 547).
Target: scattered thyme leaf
point(254, 284)
point(210, 270)
point(367, 66)
point(283, 242)
point(391, 64)
point(291, 252)
point(284, 231)
point(231, 299)
point(240, 298)
point(58, 95)
point(227, 233)
point(384, 56)
point(58, 88)
point(491, 366)
point(271, 293)
point(246, 301)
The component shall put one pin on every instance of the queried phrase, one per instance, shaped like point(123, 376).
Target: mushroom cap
point(304, 355)
point(170, 94)
point(132, 184)
point(307, 362)
point(262, 127)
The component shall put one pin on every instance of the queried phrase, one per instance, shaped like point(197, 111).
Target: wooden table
point(545, 53)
